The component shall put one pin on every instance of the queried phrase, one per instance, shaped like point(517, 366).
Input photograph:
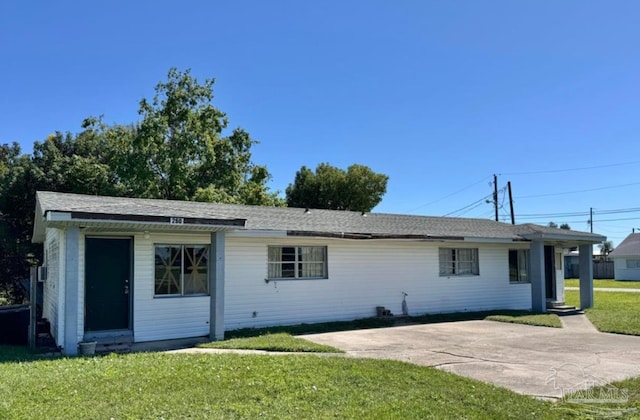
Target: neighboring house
point(160, 270)
point(602, 265)
point(626, 258)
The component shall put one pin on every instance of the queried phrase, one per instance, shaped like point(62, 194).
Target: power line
point(632, 210)
point(597, 220)
point(616, 220)
point(450, 195)
point(522, 216)
point(577, 213)
point(474, 204)
point(579, 191)
point(584, 168)
point(468, 210)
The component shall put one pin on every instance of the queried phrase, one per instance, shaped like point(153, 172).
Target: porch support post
point(586, 276)
point(71, 290)
point(538, 284)
point(216, 286)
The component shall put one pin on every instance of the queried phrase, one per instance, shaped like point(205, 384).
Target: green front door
point(107, 284)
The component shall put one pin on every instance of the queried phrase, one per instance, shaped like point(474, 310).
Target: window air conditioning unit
point(42, 273)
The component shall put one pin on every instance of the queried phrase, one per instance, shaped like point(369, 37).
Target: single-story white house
point(161, 270)
point(626, 258)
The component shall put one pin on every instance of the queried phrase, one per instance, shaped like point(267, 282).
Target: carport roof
point(295, 221)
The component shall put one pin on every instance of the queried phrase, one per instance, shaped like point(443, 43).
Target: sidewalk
point(607, 289)
point(577, 323)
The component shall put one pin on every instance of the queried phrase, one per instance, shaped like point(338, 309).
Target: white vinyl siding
point(164, 319)
point(81, 288)
point(51, 287)
point(626, 268)
point(361, 276)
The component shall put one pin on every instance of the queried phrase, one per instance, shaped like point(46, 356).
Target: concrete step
point(108, 341)
point(563, 308)
point(567, 310)
point(116, 342)
point(113, 348)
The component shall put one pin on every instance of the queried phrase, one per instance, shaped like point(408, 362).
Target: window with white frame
point(459, 262)
point(519, 265)
point(633, 263)
point(181, 270)
point(297, 262)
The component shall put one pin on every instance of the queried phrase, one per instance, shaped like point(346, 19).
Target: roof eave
point(38, 235)
point(587, 239)
point(134, 222)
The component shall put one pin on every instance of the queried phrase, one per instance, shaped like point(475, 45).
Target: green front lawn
point(160, 385)
point(272, 342)
point(514, 316)
point(619, 284)
point(616, 312)
point(543, 320)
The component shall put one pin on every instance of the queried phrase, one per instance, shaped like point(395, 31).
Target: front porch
point(547, 288)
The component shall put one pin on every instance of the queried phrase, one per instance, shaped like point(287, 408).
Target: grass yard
point(521, 317)
point(284, 342)
point(281, 338)
point(618, 284)
point(616, 312)
point(543, 320)
point(160, 385)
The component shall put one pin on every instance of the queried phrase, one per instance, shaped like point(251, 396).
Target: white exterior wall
point(621, 272)
point(81, 248)
point(363, 275)
point(54, 285)
point(559, 261)
point(163, 318)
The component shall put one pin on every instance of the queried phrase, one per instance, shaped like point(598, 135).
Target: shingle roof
point(629, 247)
point(304, 220)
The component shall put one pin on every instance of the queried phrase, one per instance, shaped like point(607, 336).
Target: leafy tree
point(564, 226)
point(178, 149)
point(357, 189)
point(605, 249)
point(16, 250)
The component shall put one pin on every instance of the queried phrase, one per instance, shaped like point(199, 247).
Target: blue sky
point(439, 95)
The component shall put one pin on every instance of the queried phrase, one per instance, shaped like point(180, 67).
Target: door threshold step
point(113, 348)
point(563, 308)
point(565, 311)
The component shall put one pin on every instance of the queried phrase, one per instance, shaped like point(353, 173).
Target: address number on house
point(176, 220)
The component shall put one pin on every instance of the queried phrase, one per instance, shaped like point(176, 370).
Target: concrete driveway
point(538, 361)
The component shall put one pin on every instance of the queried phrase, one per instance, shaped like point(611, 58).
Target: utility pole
point(513, 217)
point(495, 194)
point(591, 218)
